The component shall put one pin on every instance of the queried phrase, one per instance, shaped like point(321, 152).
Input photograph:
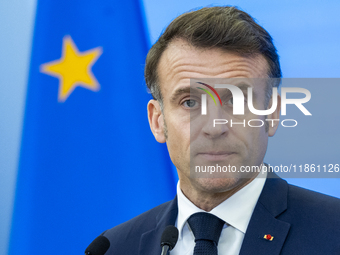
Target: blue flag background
point(88, 162)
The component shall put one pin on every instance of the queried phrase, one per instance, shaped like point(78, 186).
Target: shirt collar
point(235, 211)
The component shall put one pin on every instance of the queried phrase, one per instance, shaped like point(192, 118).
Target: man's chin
point(219, 185)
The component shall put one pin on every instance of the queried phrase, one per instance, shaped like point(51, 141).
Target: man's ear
point(273, 125)
point(156, 120)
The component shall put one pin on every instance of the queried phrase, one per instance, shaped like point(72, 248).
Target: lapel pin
point(268, 237)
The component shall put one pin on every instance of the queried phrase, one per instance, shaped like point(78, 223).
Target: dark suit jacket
point(301, 222)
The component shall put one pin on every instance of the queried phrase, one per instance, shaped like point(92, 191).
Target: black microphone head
point(99, 246)
point(169, 237)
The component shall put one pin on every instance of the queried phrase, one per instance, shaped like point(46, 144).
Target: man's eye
point(190, 103)
point(231, 101)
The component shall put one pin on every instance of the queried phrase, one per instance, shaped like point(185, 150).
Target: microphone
point(169, 239)
point(99, 246)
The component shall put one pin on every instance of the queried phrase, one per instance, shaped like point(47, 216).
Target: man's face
point(193, 140)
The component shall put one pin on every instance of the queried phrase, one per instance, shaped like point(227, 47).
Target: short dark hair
point(227, 28)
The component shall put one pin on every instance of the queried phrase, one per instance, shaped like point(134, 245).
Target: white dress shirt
point(236, 211)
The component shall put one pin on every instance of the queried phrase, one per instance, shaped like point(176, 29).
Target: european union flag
point(88, 160)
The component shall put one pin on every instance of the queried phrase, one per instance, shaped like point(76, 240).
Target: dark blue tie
point(207, 230)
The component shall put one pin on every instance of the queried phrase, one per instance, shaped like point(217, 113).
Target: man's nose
point(216, 121)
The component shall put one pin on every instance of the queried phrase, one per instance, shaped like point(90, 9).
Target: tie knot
point(206, 226)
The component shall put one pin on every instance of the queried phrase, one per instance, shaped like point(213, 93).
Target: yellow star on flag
point(73, 69)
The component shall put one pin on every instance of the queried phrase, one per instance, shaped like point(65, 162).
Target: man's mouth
point(215, 155)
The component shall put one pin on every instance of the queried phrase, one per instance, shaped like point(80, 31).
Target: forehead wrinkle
point(181, 68)
point(243, 66)
point(180, 62)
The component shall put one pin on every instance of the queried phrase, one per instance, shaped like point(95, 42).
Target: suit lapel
point(150, 241)
point(272, 202)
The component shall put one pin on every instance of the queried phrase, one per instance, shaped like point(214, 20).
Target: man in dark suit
point(234, 212)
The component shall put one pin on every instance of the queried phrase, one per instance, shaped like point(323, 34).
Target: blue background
point(305, 34)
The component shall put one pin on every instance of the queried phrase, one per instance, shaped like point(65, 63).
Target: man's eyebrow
point(181, 91)
point(191, 90)
point(242, 86)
